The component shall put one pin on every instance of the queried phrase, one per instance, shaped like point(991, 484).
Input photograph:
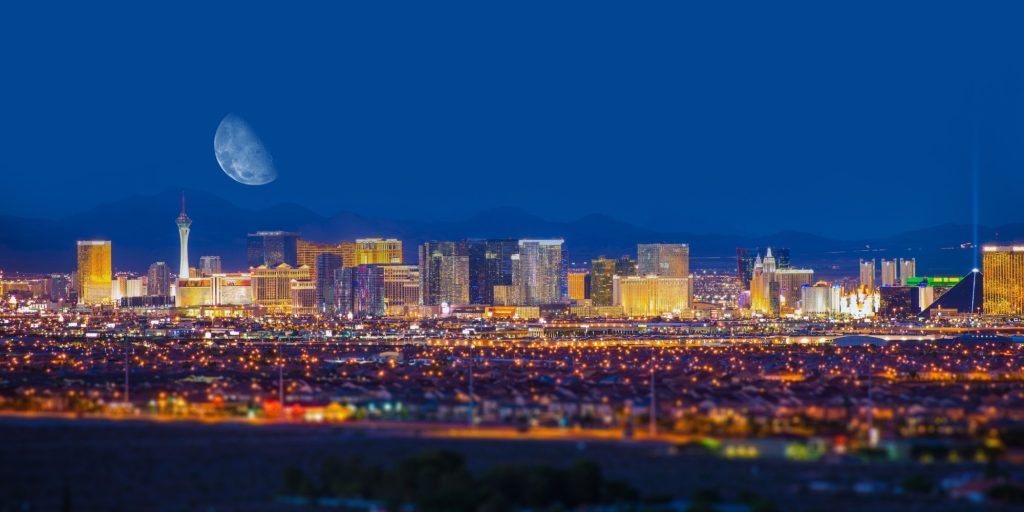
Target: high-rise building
point(602, 270)
point(401, 287)
point(490, 265)
point(378, 251)
point(867, 275)
point(158, 280)
point(361, 291)
point(625, 266)
point(57, 287)
point(538, 271)
point(326, 264)
point(209, 265)
point(664, 260)
point(745, 266)
point(579, 285)
point(184, 225)
point(272, 248)
point(308, 250)
point(1003, 275)
point(94, 272)
point(303, 297)
point(889, 272)
point(650, 296)
point(444, 273)
point(271, 287)
point(790, 281)
point(908, 270)
point(821, 299)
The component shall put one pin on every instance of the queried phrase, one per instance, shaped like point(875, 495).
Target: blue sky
point(845, 120)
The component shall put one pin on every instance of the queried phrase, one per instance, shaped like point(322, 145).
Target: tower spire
point(183, 202)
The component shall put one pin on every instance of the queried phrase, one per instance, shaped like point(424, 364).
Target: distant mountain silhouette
point(142, 229)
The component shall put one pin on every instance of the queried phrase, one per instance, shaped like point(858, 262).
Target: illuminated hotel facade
point(1003, 277)
point(378, 251)
point(651, 296)
point(271, 287)
point(94, 272)
point(308, 250)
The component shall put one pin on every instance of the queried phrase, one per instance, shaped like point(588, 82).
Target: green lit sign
point(932, 281)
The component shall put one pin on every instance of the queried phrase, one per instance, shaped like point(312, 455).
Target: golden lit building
point(1003, 280)
point(192, 292)
point(601, 271)
point(308, 250)
point(378, 251)
point(650, 296)
point(94, 273)
point(271, 287)
point(303, 297)
point(401, 288)
point(579, 285)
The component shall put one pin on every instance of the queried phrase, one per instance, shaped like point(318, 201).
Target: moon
point(241, 154)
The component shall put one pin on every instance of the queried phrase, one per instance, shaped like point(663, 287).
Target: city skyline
point(446, 257)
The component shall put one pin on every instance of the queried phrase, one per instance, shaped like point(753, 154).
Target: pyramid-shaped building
point(965, 297)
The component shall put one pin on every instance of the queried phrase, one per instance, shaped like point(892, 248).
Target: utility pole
point(127, 367)
point(280, 375)
point(652, 426)
point(472, 400)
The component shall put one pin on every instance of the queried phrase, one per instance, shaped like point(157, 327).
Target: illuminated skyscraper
point(790, 281)
point(158, 280)
point(867, 275)
point(378, 251)
point(308, 250)
point(538, 271)
point(444, 273)
point(401, 287)
point(625, 266)
point(821, 299)
point(184, 223)
point(889, 272)
point(649, 296)
point(272, 248)
point(602, 270)
point(745, 266)
point(1003, 275)
point(664, 260)
point(326, 264)
point(361, 291)
point(209, 265)
point(908, 269)
point(579, 285)
point(490, 265)
point(303, 297)
point(94, 272)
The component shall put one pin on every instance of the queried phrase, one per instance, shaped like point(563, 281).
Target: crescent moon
point(241, 154)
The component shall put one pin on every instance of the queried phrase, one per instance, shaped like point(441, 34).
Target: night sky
point(729, 117)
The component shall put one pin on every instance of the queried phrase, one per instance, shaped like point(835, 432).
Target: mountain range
point(143, 230)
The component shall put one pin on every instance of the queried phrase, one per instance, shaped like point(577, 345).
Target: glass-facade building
point(272, 248)
point(664, 260)
point(444, 272)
